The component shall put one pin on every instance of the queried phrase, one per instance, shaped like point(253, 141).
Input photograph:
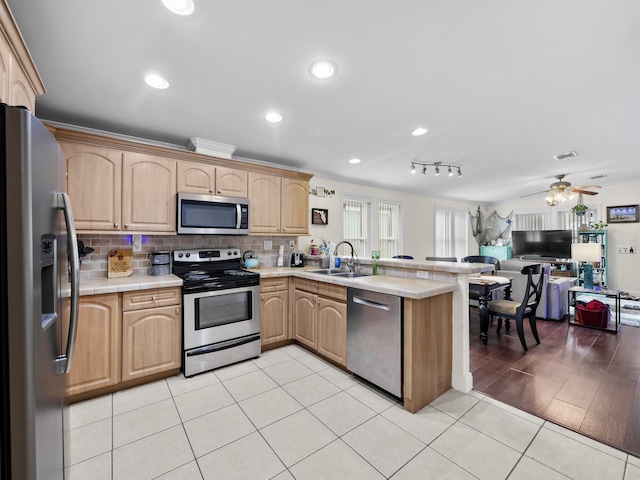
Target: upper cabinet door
point(94, 178)
point(148, 193)
point(294, 214)
point(264, 203)
point(231, 182)
point(196, 178)
point(20, 92)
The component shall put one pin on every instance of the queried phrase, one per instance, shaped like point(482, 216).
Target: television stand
point(559, 268)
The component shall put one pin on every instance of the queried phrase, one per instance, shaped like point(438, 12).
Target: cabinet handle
point(126, 225)
point(153, 298)
point(115, 225)
point(262, 298)
point(177, 310)
point(219, 192)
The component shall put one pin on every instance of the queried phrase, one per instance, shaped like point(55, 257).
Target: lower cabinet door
point(332, 330)
point(274, 317)
point(150, 341)
point(305, 318)
point(96, 362)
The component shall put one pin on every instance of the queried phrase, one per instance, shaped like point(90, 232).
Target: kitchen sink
point(339, 273)
point(326, 271)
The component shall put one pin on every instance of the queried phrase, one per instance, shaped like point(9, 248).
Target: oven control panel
point(210, 255)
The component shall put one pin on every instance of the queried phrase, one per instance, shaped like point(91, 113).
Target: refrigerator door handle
point(64, 361)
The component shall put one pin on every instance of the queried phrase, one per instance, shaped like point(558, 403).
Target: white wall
point(418, 235)
point(417, 212)
point(624, 269)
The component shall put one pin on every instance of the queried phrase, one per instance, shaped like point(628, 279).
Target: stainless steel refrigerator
point(38, 267)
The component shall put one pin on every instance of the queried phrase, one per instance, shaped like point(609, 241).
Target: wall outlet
point(422, 274)
point(268, 244)
point(627, 248)
point(292, 244)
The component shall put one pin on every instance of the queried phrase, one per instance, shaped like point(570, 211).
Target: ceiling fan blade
point(586, 192)
point(587, 186)
point(532, 194)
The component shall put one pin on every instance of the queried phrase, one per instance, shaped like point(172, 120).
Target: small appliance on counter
point(297, 259)
point(160, 263)
point(250, 261)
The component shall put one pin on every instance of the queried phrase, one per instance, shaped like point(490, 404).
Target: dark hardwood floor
point(584, 379)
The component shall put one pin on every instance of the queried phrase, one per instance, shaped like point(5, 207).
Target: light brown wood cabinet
point(151, 329)
point(113, 191)
point(19, 79)
point(321, 318)
point(278, 205)
point(148, 193)
point(194, 177)
point(94, 185)
point(96, 363)
point(124, 337)
point(274, 310)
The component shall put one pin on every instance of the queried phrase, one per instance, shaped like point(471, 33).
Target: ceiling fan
point(561, 191)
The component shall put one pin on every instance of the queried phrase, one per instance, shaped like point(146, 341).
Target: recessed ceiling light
point(273, 117)
point(323, 69)
point(156, 81)
point(355, 160)
point(419, 131)
point(180, 7)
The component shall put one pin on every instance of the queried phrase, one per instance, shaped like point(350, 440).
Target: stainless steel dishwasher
point(374, 338)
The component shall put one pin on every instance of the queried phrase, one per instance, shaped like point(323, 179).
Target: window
point(529, 221)
point(388, 229)
point(451, 232)
point(356, 225)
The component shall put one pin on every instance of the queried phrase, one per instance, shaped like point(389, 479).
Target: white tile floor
point(289, 415)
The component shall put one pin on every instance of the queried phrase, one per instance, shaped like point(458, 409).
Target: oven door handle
point(216, 347)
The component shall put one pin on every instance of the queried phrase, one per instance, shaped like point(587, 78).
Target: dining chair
point(519, 310)
point(480, 259)
point(407, 257)
point(442, 259)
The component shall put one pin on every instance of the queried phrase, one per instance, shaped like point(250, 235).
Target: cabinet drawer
point(156, 297)
point(337, 292)
point(274, 284)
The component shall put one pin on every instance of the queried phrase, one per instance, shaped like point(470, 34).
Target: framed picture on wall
point(622, 214)
point(319, 216)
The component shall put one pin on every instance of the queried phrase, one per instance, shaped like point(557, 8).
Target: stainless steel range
point(221, 309)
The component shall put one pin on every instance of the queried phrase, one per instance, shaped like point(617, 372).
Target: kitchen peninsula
point(436, 318)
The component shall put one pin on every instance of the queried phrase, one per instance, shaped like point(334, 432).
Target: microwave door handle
point(64, 361)
point(238, 216)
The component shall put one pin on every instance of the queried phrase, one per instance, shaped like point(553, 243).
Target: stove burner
point(238, 273)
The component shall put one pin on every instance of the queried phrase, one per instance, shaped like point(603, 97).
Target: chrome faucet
point(350, 265)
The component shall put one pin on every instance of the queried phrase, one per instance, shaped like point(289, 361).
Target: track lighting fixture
point(436, 166)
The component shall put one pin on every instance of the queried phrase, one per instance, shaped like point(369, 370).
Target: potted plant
point(599, 226)
point(579, 209)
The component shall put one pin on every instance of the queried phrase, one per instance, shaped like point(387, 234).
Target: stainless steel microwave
point(212, 215)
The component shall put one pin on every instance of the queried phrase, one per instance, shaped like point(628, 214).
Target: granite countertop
point(96, 286)
point(415, 288)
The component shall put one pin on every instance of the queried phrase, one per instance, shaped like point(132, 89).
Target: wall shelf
point(600, 269)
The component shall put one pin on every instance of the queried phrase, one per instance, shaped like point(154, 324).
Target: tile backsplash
point(95, 264)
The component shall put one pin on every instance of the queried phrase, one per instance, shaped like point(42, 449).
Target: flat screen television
point(541, 243)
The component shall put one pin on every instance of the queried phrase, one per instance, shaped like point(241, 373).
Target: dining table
point(485, 286)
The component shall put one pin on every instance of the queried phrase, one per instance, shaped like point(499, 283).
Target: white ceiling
point(501, 85)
